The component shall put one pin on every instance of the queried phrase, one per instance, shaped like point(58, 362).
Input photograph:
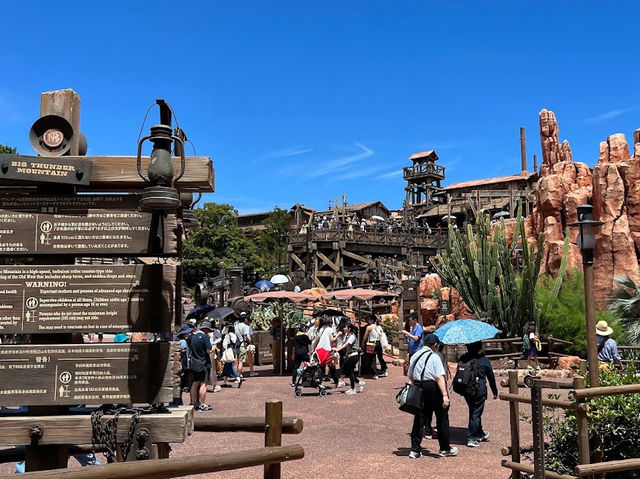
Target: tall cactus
point(479, 265)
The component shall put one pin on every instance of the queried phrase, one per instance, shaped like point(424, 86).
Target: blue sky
point(301, 101)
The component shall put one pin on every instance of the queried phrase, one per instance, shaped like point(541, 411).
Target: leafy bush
point(263, 315)
point(564, 316)
point(613, 420)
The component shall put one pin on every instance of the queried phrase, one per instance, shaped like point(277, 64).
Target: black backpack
point(465, 382)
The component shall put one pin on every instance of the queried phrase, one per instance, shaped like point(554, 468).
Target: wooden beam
point(76, 429)
point(298, 261)
point(325, 274)
point(357, 257)
point(328, 262)
point(290, 425)
point(119, 173)
point(175, 467)
point(317, 281)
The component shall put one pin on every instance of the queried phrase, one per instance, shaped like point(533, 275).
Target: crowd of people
point(211, 352)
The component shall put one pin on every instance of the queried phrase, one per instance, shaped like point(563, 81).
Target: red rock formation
point(563, 185)
point(429, 310)
point(615, 252)
point(429, 284)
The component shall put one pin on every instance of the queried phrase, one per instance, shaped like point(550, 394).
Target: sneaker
point(416, 455)
point(253, 373)
point(473, 443)
point(384, 374)
point(341, 383)
point(350, 391)
point(450, 453)
point(374, 377)
point(217, 389)
point(484, 437)
point(204, 407)
point(240, 381)
point(360, 386)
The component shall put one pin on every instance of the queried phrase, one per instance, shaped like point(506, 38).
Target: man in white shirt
point(427, 371)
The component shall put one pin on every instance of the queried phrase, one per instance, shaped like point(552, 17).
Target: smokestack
point(535, 163)
point(523, 151)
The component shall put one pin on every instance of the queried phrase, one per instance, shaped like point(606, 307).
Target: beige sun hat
point(603, 329)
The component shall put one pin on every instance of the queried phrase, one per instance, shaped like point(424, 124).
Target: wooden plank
point(120, 173)
point(585, 470)
point(55, 299)
point(44, 170)
point(94, 225)
point(328, 262)
point(76, 429)
point(298, 261)
point(177, 466)
point(357, 257)
point(290, 425)
point(317, 281)
point(86, 374)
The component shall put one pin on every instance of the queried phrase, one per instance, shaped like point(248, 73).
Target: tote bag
point(411, 398)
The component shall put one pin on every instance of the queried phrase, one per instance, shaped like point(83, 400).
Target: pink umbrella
point(281, 295)
point(359, 294)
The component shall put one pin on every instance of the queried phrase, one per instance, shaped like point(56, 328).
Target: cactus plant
point(480, 266)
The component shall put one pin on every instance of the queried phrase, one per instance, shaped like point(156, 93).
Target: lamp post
point(587, 243)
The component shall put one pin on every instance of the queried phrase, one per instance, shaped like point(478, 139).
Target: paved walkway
point(357, 436)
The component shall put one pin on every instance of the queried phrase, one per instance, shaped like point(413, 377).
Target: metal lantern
point(586, 239)
point(189, 217)
point(161, 194)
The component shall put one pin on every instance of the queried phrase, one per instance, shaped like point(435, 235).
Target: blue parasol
point(465, 331)
point(264, 283)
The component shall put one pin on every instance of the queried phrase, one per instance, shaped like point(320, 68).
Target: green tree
point(217, 241)
point(7, 150)
point(625, 303)
point(561, 312)
point(273, 241)
point(480, 265)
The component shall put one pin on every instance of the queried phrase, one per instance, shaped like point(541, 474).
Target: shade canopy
point(358, 293)
point(465, 331)
point(281, 295)
point(264, 282)
point(279, 279)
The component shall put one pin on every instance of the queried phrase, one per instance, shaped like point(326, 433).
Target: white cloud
point(286, 152)
point(391, 174)
point(341, 163)
point(607, 115)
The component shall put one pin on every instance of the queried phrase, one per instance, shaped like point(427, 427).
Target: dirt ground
point(358, 436)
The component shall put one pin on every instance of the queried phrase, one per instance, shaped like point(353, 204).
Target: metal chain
point(105, 432)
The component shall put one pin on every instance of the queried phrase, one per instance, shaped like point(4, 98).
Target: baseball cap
point(431, 339)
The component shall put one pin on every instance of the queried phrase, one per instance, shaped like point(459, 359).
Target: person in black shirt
point(476, 434)
point(301, 342)
point(199, 365)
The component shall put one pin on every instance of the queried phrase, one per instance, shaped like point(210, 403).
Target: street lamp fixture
point(587, 243)
point(586, 239)
point(161, 194)
point(189, 217)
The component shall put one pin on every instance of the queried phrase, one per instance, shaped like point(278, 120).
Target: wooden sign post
point(46, 226)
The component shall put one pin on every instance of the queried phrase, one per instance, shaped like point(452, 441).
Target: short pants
point(242, 354)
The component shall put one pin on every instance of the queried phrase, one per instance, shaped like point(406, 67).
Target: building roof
point(362, 206)
point(489, 181)
point(424, 154)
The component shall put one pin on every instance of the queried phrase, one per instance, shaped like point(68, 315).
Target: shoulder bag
point(411, 397)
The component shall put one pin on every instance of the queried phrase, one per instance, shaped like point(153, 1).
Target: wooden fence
point(273, 425)
point(577, 401)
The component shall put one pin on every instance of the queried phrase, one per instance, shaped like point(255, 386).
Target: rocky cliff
point(614, 191)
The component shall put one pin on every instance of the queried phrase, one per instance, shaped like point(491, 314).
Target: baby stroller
point(310, 375)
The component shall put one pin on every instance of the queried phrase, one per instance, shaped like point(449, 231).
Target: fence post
point(583, 426)
point(273, 435)
point(538, 432)
point(514, 419)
